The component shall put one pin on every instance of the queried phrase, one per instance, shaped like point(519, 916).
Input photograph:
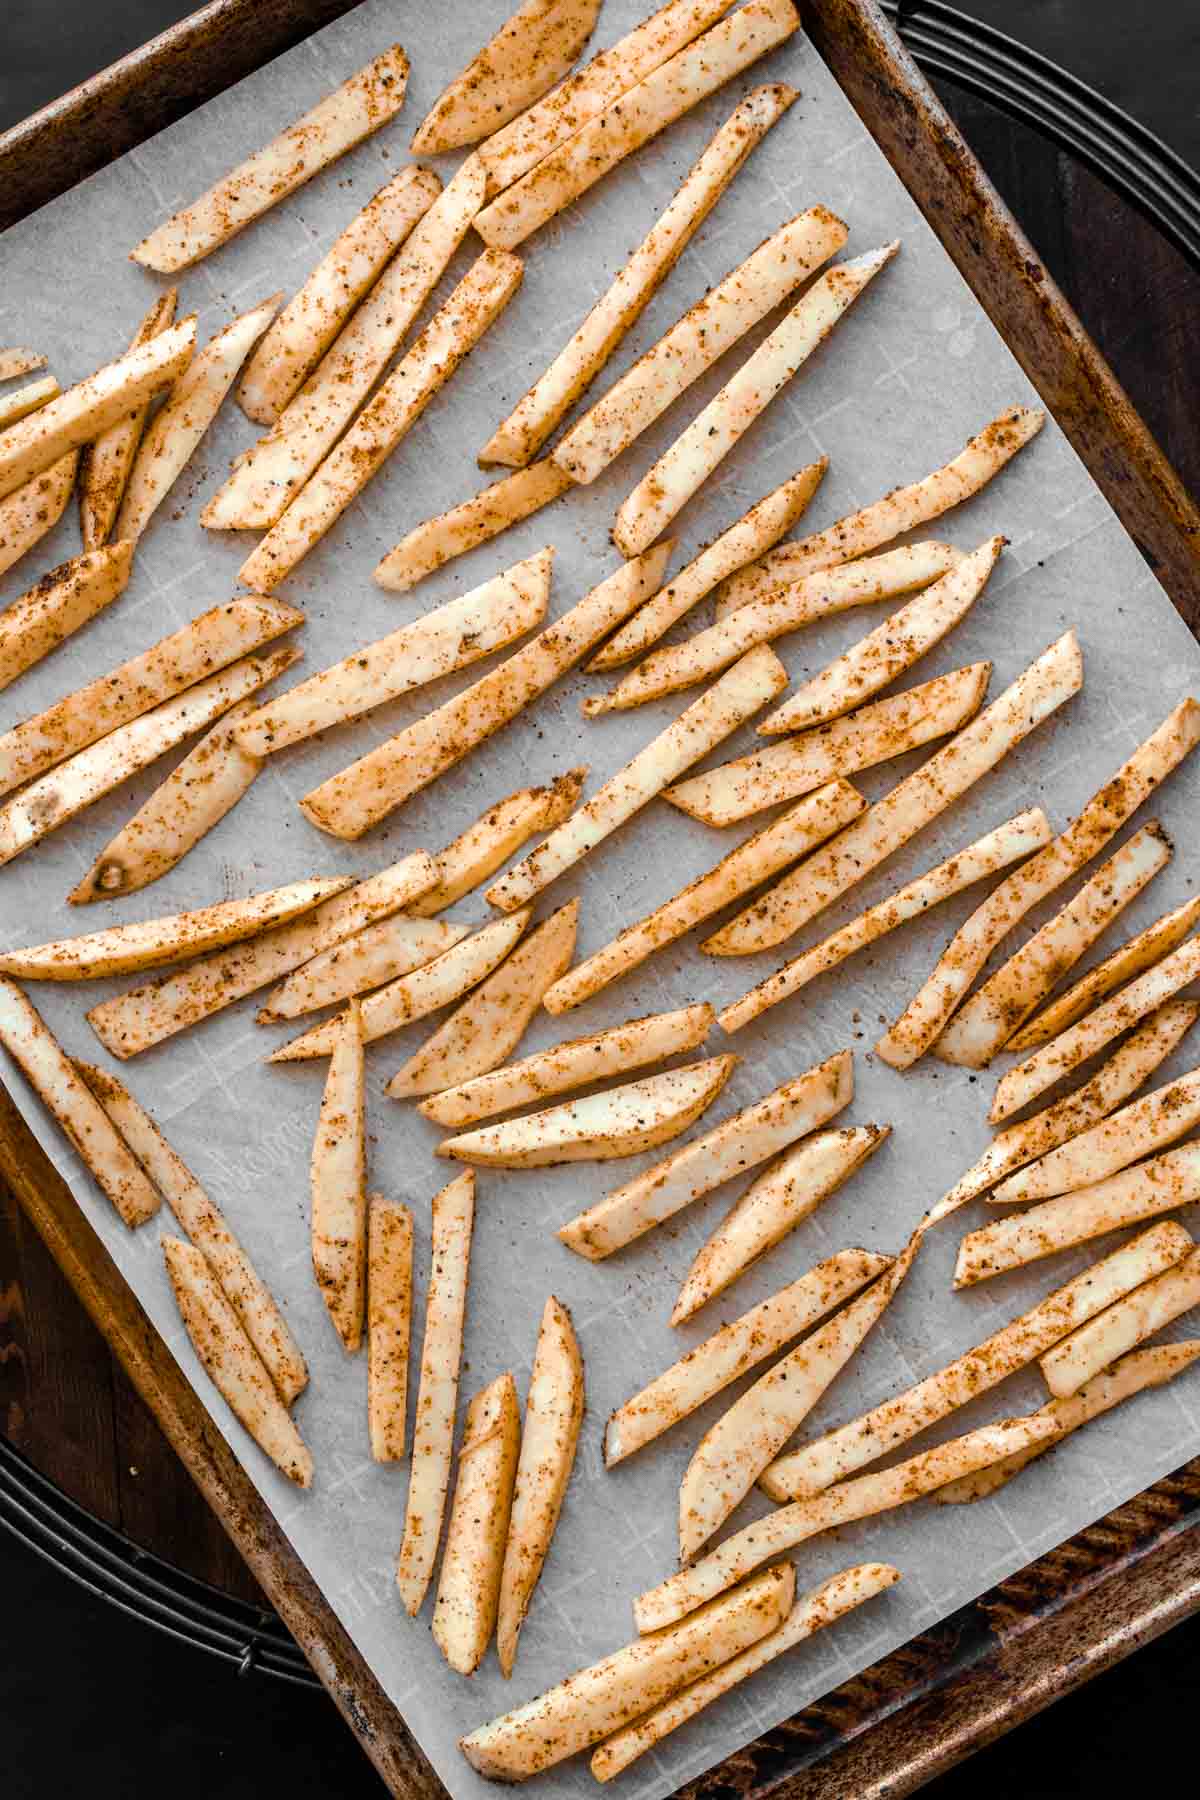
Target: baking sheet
point(913, 370)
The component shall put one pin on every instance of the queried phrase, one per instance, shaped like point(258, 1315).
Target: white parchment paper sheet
point(909, 375)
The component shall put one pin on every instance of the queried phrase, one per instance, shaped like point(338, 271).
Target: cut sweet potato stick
point(1139, 1129)
point(484, 846)
point(25, 400)
point(27, 515)
point(105, 463)
point(338, 1180)
point(389, 1319)
point(19, 362)
point(377, 954)
point(485, 515)
point(1080, 1358)
point(464, 1613)
point(58, 604)
point(352, 112)
point(532, 51)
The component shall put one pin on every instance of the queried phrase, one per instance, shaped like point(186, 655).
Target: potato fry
point(450, 637)
point(818, 596)
point(19, 362)
point(58, 604)
point(1139, 1129)
point(759, 1131)
point(373, 956)
point(201, 1218)
point(575, 1063)
point(1007, 843)
point(232, 1363)
point(594, 1702)
point(390, 414)
point(352, 112)
point(491, 1022)
point(453, 1218)
point(618, 1121)
point(487, 844)
point(338, 1180)
point(553, 1417)
point(1069, 1365)
point(907, 808)
point(521, 435)
point(733, 1453)
point(532, 51)
point(84, 1122)
point(728, 703)
point(902, 510)
point(862, 1498)
point(702, 446)
point(25, 400)
point(104, 464)
point(804, 825)
point(296, 341)
point(35, 509)
point(864, 1440)
point(464, 1613)
point(389, 1319)
point(145, 1016)
point(736, 1348)
point(772, 1207)
point(485, 515)
point(350, 802)
point(822, 1606)
point(696, 340)
point(641, 113)
point(1114, 1081)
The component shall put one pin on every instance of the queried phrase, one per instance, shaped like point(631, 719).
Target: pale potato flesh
point(1144, 1126)
point(59, 603)
point(372, 957)
point(1078, 1359)
point(338, 1183)
point(485, 515)
point(105, 463)
point(389, 1321)
point(532, 51)
point(484, 846)
point(27, 515)
point(464, 1613)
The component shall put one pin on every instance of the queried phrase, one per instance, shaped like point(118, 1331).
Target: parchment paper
point(909, 375)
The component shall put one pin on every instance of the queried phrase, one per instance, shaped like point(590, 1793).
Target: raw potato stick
point(728, 703)
point(35, 509)
point(105, 463)
point(797, 831)
point(995, 850)
point(58, 604)
point(201, 1218)
point(52, 1076)
point(484, 846)
point(759, 1131)
point(696, 340)
point(19, 362)
point(297, 340)
point(576, 1063)
point(553, 1417)
point(453, 1217)
point(357, 797)
point(232, 1363)
point(352, 112)
point(518, 439)
point(532, 51)
point(1080, 1358)
point(593, 1703)
point(1139, 1129)
point(908, 807)
point(338, 1180)
point(375, 955)
point(737, 1348)
point(389, 1319)
point(25, 400)
point(451, 637)
point(902, 510)
point(485, 515)
point(464, 1613)
point(640, 114)
point(698, 451)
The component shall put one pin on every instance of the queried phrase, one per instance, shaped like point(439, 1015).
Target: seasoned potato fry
point(772, 1206)
point(902, 510)
point(232, 1363)
point(352, 112)
point(411, 997)
point(553, 1417)
point(853, 1446)
point(206, 1226)
point(519, 438)
point(19, 362)
point(338, 1179)
point(1139, 1129)
point(823, 1605)
point(594, 1702)
point(389, 1320)
point(35, 509)
point(619, 1121)
point(450, 637)
point(58, 604)
point(912, 804)
point(696, 341)
point(733, 1453)
point(145, 1016)
point(760, 1130)
point(464, 1613)
point(297, 340)
point(737, 1348)
point(104, 464)
point(485, 515)
point(491, 1022)
point(359, 796)
point(1078, 1359)
point(375, 955)
point(530, 53)
point(484, 846)
point(993, 851)
point(728, 703)
point(453, 1218)
point(25, 400)
point(699, 450)
point(50, 1073)
point(797, 831)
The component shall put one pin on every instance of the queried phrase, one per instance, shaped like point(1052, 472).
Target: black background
point(91, 1701)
